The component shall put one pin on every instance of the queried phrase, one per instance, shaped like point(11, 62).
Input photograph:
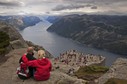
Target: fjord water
point(56, 44)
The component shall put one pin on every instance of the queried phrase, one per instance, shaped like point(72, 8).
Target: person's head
point(41, 54)
point(30, 50)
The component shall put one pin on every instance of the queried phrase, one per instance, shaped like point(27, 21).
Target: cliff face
point(53, 19)
point(20, 22)
point(9, 76)
point(15, 39)
point(104, 32)
point(118, 71)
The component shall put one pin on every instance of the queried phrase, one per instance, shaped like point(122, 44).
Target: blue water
point(56, 44)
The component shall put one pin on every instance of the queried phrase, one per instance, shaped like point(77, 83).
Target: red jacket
point(43, 68)
point(24, 58)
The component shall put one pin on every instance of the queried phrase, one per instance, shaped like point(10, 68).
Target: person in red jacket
point(43, 66)
point(28, 57)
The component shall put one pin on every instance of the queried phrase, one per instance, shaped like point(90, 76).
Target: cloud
point(94, 7)
point(65, 7)
point(94, 1)
point(73, 6)
point(11, 4)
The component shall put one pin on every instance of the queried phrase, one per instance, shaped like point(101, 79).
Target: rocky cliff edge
point(8, 72)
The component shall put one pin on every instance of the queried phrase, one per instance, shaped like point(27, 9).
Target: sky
point(63, 7)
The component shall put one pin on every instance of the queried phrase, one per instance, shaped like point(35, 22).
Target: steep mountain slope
point(53, 19)
point(104, 32)
point(4, 42)
point(20, 22)
point(10, 39)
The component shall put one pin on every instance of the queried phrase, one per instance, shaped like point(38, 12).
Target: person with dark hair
point(28, 57)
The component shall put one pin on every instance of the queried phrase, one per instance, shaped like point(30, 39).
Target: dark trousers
point(31, 71)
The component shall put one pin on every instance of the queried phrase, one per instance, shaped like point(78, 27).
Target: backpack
point(23, 71)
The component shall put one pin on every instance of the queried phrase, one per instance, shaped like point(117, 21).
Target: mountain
point(99, 31)
point(53, 19)
point(10, 39)
point(14, 47)
point(20, 22)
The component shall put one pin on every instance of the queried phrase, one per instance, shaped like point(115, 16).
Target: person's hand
point(23, 65)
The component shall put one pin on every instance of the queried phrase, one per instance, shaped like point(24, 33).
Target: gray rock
point(16, 44)
point(9, 76)
point(117, 70)
point(16, 40)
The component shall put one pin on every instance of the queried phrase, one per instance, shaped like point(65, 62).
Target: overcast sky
point(56, 7)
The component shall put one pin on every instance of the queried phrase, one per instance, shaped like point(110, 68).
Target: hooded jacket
point(25, 58)
point(43, 68)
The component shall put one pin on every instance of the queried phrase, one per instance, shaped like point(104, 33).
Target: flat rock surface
point(8, 72)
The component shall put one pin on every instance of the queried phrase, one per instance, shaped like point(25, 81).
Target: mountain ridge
point(99, 31)
point(21, 22)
